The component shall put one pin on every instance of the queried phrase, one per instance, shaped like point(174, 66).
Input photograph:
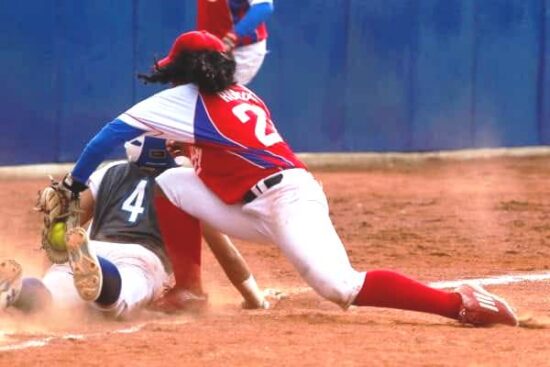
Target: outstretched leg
point(95, 278)
point(302, 229)
point(385, 288)
point(117, 279)
point(468, 304)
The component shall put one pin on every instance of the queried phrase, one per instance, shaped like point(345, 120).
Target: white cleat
point(10, 282)
point(87, 275)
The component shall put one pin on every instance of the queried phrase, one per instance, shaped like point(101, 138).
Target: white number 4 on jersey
point(134, 203)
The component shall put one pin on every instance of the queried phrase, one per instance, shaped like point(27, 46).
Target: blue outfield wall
point(341, 75)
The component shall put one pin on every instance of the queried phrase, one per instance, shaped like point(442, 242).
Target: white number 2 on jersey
point(268, 140)
point(134, 203)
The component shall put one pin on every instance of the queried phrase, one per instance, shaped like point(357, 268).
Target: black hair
point(212, 71)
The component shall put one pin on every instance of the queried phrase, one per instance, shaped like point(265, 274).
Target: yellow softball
point(56, 236)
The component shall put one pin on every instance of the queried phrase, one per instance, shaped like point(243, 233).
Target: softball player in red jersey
point(248, 183)
point(293, 213)
point(241, 25)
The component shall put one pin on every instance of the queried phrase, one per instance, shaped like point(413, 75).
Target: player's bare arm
point(235, 267)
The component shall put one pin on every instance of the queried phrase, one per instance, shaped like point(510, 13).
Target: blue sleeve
point(111, 136)
point(256, 15)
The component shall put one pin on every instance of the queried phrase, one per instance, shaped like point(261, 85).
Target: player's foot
point(481, 308)
point(10, 282)
point(87, 275)
point(177, 300)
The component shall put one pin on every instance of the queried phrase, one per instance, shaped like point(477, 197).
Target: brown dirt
point(433, 220)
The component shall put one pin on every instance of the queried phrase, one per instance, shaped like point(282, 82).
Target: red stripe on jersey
point(236, 144)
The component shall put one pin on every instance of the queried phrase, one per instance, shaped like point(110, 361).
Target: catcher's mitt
point(61, 209)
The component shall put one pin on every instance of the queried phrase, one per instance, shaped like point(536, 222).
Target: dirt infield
point(434, 220)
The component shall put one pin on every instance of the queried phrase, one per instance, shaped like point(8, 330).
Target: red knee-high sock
point(385, 288)
point(181, 234)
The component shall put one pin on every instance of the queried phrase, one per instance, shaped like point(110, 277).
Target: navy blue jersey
point(124, 210)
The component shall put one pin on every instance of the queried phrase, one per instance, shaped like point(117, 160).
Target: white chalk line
point(34, 343)
point(494, 280)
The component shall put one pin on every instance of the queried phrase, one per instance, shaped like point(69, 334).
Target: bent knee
point(341, 289)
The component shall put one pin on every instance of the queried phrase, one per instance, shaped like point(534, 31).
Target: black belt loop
point(268, 182)
point(248, 197)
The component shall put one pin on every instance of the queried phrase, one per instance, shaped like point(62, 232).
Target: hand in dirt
point(269, 300)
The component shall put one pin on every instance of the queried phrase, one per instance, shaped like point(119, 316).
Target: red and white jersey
point(234, 142)
point(220, 16)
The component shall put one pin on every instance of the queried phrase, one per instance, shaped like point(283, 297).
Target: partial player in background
point(241, 26)
point(124, 265)
point(249, 184)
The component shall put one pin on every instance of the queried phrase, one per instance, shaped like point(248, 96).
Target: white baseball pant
point(293, 215)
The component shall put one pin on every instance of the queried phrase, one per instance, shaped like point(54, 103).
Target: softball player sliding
point(124, 266)
point(248, 183)
point(241, 26)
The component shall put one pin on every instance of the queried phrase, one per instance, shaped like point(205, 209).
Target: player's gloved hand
point(230, 41)
point(60, 206)
point(72, 185)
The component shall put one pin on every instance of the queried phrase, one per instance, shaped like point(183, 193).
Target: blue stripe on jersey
point(111, 136)
point(205, 131)
point(256, 15)
point(262, 159)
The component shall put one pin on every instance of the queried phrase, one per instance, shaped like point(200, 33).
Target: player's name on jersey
point(229, 95)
